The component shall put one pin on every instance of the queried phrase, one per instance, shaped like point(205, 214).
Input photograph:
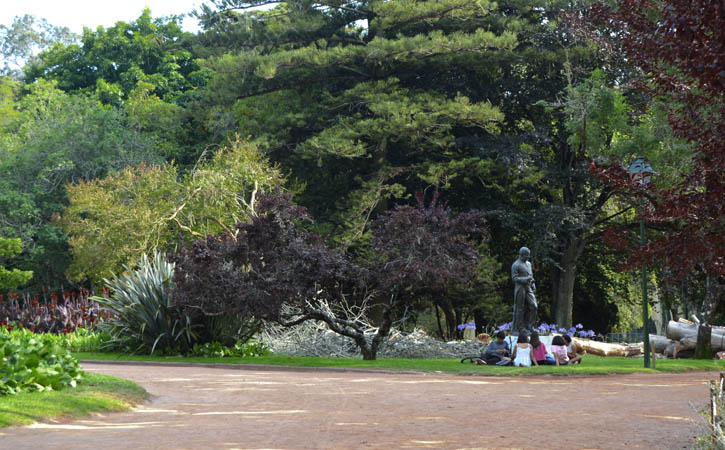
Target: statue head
point(524, 253)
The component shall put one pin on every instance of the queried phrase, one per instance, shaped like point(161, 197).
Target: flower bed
point(55, 313)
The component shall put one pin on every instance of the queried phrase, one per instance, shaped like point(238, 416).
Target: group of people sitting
point(529, 350)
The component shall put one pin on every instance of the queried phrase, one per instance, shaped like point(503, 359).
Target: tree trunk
point(449, 314)
point(703, 348)
point(713, 293)
point(368, 353)
point(438, 319)
point(659, 312)
point(562, 280)
point(459, 320)
point(478, 319)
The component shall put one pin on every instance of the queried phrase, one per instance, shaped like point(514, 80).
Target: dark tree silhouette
point(274, 269)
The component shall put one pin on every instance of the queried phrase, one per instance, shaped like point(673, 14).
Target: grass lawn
point(592, 365)
point(96, 393)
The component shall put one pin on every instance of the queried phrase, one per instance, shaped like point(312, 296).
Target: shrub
point(144, 319)
point(227, 329)
point(33, 363)
point(80, 340)
point(85, 340)
point(54, 314)
point(141, 317)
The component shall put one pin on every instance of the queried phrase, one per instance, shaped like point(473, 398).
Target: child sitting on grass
point(539, 350)
point(558, 348)
point(522, 352)
point(571, 350)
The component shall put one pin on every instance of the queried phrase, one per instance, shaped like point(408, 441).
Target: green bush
point(80, 340)
point(228, 329)
point(85, 340)
point(33, 362)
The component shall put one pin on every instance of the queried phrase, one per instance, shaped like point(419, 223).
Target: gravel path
point(212, 408)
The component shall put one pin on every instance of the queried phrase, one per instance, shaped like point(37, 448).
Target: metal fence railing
point(629, 336)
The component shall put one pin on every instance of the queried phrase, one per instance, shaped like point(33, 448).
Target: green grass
point(592, 365)
point(96, 393)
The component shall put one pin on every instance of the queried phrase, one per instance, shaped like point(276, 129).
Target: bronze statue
point(525, 307)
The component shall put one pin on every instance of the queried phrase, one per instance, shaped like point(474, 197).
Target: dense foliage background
point(141, 137)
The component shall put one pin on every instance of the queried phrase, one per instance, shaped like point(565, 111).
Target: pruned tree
point(277, 270)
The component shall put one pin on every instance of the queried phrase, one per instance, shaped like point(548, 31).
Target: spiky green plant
point(142, 318)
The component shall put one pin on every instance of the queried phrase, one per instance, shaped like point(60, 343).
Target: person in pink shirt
point(539, 350)
point(558, 348)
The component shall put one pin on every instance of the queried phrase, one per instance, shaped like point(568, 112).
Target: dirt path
point(206, 408)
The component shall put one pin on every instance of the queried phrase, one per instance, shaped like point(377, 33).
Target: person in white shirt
point(571, 350)
point(522, 352)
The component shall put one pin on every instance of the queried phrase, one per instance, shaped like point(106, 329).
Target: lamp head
point(640, 172)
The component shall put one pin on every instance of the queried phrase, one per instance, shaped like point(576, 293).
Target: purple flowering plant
point(504, 327)
point(466, 326)
point(546, 329)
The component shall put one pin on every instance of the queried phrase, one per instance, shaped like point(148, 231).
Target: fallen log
point(606, 348)
point(685, 332)
point(661, 343)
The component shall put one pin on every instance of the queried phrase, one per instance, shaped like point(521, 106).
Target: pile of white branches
point(313, 338)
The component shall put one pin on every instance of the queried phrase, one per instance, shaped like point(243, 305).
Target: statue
point(525, 307)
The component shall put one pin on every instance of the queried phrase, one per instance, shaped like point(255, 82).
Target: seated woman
point(522, 352)
point(539, 350)
point(571, 350)
point(558, 348)
point(496, 351)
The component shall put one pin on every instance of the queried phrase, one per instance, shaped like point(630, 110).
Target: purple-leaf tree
point(274, 269)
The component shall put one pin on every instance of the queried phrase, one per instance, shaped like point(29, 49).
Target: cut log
point(607, 349)
point(678, 330)
point(660, 343)
point(686, 333)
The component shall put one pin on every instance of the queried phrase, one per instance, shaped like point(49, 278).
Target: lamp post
point(640, 172)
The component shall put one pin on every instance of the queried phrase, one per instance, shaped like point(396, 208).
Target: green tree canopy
point(115, 220)
point(25, 38)
point(12, 279)
point(113, 60)
point(353, 93)
point(56, 139)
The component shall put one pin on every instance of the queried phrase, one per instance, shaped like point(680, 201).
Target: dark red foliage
point(270, 261)
point(680, 46)
point(425, 250)
point(273, 261)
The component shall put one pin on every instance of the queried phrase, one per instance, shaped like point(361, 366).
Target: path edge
point(261, 367)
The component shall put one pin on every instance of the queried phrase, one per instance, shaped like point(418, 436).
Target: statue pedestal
point(512, 340)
